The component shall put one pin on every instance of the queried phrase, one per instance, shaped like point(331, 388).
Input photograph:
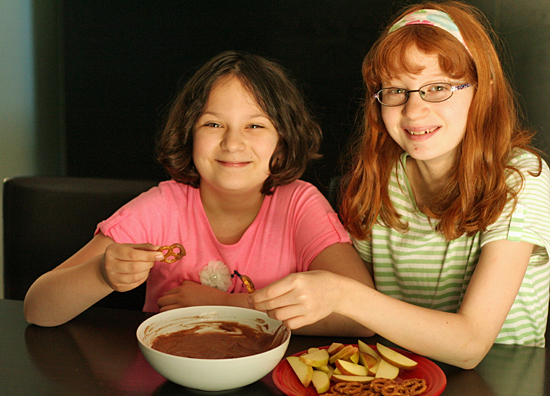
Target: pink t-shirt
point(292, 227)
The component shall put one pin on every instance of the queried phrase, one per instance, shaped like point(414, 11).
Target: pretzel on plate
point(415, 386)
point(348, 388)
point(379, 387)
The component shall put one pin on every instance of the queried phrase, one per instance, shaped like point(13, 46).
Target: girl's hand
point(300, 299)
point(191, 294)
point(126, 266)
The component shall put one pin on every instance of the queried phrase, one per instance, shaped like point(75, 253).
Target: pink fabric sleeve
point(137, 229)
point(317, 226)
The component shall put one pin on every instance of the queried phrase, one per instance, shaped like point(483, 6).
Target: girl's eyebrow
point(211, 113)
point(426, 81)
point(258, 115)
point(255, 115)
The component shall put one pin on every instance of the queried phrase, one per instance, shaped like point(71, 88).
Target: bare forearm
point(235, 300)
point(446, 337)
point(60, 295)
point(335, 325)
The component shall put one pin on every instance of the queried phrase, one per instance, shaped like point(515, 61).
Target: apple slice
point(349, 368)
point(316, 358)
point(367, 349)
point(368, 361)
point(325, 368)
point(330, 371)
point(302, 370)
point(334, 347)
point(351, 378)
point(397, 359)
point(321, 381)
point(386, 370)
point(374, 369)
point(344, 353)
point(355, 357)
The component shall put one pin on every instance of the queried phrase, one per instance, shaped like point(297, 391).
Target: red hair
point(467, 203)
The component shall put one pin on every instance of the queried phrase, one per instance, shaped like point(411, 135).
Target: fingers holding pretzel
point(172, 253)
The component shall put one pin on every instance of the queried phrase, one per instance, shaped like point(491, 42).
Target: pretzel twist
point(172, 253)
point(356, 389)
point(349, 388)
point(394, 390)
point(247, 282)
point(379, 387)
point(415, 386)
point(378, 383)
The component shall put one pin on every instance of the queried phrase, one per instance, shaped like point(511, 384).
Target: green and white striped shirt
point(420, 267)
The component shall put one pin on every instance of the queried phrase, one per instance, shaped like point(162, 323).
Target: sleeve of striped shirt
point(530, 219)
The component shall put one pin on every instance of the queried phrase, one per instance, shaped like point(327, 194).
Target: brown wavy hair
point(277, 95)
point(475, 194)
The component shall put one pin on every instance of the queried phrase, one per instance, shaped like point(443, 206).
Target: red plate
point(285, 379)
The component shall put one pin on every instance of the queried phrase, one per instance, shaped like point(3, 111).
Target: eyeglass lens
point(433, 92)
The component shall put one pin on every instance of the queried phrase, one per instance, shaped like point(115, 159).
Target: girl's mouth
point(418, 133)
point(234, 164)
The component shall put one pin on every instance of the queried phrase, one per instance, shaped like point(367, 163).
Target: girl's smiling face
point(428, 132)
point(233, 140)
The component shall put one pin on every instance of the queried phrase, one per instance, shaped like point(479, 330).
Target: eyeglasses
point(433, 92)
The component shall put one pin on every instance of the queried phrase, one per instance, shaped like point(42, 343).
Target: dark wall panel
point(124, 61)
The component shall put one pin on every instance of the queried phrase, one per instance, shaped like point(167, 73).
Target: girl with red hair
point(446, 201)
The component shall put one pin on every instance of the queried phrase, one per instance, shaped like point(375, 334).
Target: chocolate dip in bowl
point(211, 348)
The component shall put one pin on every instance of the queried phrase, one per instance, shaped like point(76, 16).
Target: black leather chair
point(47, 219)
point(333, 194)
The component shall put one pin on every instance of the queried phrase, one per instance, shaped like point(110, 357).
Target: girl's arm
point(89, 275)
point(302, 293)
point(462, 339)
point(192, 294)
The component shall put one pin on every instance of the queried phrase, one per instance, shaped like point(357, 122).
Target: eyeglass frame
point(408, 92)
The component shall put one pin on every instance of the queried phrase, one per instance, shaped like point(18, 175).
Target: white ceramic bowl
point(208, 374)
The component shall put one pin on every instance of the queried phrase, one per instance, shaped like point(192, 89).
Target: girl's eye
point(255, 126)
point(437, 88)
point(212, 125)
point(396, 91)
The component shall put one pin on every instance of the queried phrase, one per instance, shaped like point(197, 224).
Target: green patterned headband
point(432, 18)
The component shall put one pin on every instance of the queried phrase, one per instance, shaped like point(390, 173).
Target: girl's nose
point(415, 107)
point(232, 140)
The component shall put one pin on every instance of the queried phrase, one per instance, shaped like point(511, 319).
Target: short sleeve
point(136, 221)
point(529, 219)
point(364, 248)
point(317, 225)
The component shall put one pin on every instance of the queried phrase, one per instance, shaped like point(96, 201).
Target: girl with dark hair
point(237, 139)
point(446, 201)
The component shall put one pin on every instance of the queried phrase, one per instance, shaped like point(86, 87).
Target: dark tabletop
point(97, 354)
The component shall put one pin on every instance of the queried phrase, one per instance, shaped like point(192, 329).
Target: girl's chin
point(435, 158)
